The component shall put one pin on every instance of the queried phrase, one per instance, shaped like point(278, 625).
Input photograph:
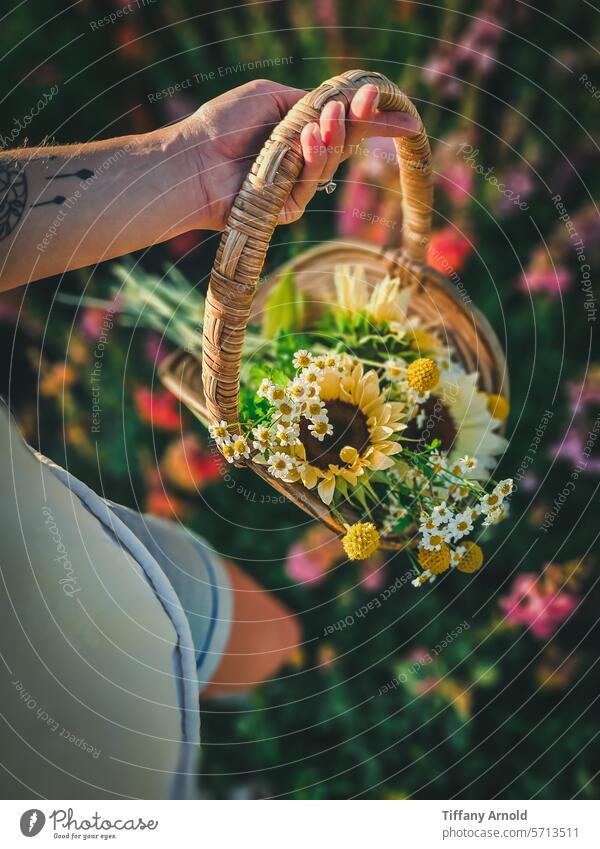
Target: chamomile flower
point(493, 516)
point(456, 555)
point(227, 450)
point(302, 359)
point(504, 488)
point(280, 464)
point(297, 389)
point(441, 514)
point(438, 462)
point(287, 410)
point(313, 408)
point(467, 464)
point(263, 389)
point(321, 427)
point(461, 524)
point(394, 369)
point(240, 447)
point(427, 524)
point(219, 430)
point(490, 502)
point(320, 362)
point(287, 436)
point(312, 374)
point(434, 542)
point(262, 437)
point(275, 393)
point(331, 362)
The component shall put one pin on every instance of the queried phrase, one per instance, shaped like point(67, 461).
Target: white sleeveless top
point(110, 625)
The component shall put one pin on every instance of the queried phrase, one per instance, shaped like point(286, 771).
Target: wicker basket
point(210, 387)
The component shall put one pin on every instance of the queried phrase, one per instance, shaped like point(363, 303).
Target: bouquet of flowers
point(368, 408)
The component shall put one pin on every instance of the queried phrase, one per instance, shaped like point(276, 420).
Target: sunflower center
point(438, 424)
point(349, 428)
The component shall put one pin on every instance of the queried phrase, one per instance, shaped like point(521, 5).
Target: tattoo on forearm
point(83, 174)
point(57, 200)
point(13, 196)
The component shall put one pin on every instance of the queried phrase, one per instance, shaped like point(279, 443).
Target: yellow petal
point(326, 489)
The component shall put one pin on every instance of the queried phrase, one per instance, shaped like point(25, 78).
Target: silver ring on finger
point(329, 187)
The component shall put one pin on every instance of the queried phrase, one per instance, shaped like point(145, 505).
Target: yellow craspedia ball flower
point(423, 375)
point(498, 407)
point(472, 559)
point(361, 541)
point(436, 561)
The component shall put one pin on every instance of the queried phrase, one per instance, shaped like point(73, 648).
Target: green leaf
point(284, 308)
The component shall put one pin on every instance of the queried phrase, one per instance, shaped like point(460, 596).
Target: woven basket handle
point(254, 216)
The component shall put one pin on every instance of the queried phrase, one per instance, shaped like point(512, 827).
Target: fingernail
point(342, 116)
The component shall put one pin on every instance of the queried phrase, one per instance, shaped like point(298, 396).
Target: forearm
point(67, 207)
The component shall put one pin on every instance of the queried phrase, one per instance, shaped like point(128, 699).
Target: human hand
point(222, 139)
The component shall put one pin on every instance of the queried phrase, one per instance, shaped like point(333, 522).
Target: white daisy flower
point(227, 450)
point(302, 359)
point(262, 437)
point(438, 462)
point(321, 427)
point(312, 374)
point(240, 447)
point(320, 362)
point(263, 389)
point(433, 542)
point(490, 502)
point(455, 555)
point(394, 369)
point(280, 464)
point(427, 524)
point(469, 464)
point(441, 514)
point(219, 430)
point(287, 410)
point(314, 408)
point(331, 362)
point(461, 525)
point(493, 516)
point(296, 389)
point(275, 393)
point(287, 435)
point(504, 488)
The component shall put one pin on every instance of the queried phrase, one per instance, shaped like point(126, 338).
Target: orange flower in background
point(448, 251)
point(166, 506)
point(56, 378)
point(160, 410)
point(78, 351)
point(187, 464)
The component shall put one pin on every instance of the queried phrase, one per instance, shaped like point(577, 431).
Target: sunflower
point(457, 414)
point(364, 424)
point(386, 301)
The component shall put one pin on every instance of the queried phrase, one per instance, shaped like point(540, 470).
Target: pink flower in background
point(539, 606)
point(578, 445)
point(372, 574)
point(370, 206)
point(475, 52)
point(543, 275)
point(155, 348)
point(453, 175)
point(312, 556)
point(95, 321)
point(519, 182)
point(448, 250)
